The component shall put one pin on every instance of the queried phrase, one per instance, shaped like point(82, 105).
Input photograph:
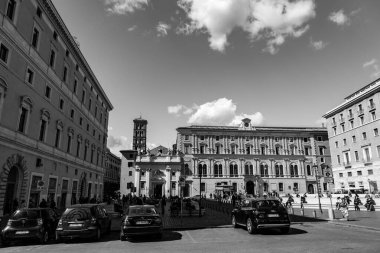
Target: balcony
point(360, 112)
point(371, 107)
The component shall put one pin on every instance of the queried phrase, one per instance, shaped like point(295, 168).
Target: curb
point(194, 228)
point(352, 225)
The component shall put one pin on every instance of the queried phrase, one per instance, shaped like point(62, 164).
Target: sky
point(178, 63)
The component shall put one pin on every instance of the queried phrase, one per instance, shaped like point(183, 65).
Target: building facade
point(353, 129)
point(253, 160)
point(53, 111)
point(112, 174)
point(155, 173)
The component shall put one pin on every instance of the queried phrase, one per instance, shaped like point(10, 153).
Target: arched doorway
point(250, 187)
point(11, 192)
point(310, 189)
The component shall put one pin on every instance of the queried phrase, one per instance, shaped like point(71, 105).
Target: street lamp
point(315, 166)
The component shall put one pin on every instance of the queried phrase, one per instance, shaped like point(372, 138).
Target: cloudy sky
point(184, 62)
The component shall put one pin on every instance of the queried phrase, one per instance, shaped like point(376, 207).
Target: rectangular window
point(263, 150)
point(376, 132)
point(173, 185)
point(278, 150)
point(80, 121)
point(61, 103)
point(130, 164)
point(373, 115)
point(352, 124)
point(83, 96)
point(336, 144)
point(186, 137)
point(370, 172)
point(281, 187)
point(344, 142)
point(55, 35)
point(291, 139)
point(65, 70)
point(367, 154)
point(203, 187)
point(359, 172)
point(356, 156)
point(72, 113)
point(321, 150)
point(89, 104)
point(349, 174)
point(202, 151)
point(361, 118)
point(334, 130)
point(69, 140)
point(378, 151)
point(217, 149)
point(338, 159)
point(4, 52)
point(364, 134)
point(202, 138)
point(130, 173)
point(319, 138)
point(29, 76)
point(343, 129)
point(35, 37)
point(42, 130)
point(23, 119)
point(353, 138)
point(11, 9)
point(52, 58)
point(57, 138)
point(340, 174)
point(47, 91)
point(39, 12)
point(75, 86)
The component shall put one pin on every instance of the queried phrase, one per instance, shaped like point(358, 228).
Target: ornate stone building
point(353, 128)
point(254, 160)
point(112, 174)
point(53, 110)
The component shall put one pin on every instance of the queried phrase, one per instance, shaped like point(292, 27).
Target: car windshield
point(25, 214)
point(268, 204)
point(142, 210)
point(78, 214)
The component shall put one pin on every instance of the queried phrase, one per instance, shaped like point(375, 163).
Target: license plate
point(75, 225)
point(22, 232)
point(142, 222)
point(273, 215)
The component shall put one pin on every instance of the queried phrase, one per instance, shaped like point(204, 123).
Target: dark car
point(30, 223)
point(141, 220)
point(83, 221)
point(261, 213)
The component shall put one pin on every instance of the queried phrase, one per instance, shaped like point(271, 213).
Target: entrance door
point(186, 190)
point(250, 187)
point(11, 191)
point(158, 191)
point(310, 189)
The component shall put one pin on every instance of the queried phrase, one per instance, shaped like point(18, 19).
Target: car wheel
point(285, 230)
point(234, 224)
point(45, 237)
point(250, 226)
point(98, 234)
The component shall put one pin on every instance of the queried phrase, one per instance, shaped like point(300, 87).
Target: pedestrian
point(357, 202)
point(337, 204)
point(43, 203)
point(343, 207)
point(233, 198)
point(370, 204)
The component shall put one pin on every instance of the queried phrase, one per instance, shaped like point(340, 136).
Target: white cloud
point(125, 6)
point(110, 128)
point(162, 29)
point(339, 18)
point(218, 112)
point(115, 144)
point(317, 44)
point(274, 20)
point(374, 67)
point(132, 28)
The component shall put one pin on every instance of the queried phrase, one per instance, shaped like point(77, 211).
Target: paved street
point(304, 237)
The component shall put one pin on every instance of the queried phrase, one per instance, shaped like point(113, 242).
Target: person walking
point(343, 207)
point(357, 202)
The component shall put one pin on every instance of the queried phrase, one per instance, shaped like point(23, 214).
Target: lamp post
point(315, 166)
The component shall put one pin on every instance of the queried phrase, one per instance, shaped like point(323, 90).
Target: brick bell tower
point(139, 134)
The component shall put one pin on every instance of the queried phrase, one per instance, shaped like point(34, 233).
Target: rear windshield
point(78, 214)
point(26, 214)
point(142, 210)
point(267, 203)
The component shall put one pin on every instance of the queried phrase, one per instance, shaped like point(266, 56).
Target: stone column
point(178, 188)
point(147, 183)
point(168, 181)
point(137, 180)
point(210, 174)
point(226, 168)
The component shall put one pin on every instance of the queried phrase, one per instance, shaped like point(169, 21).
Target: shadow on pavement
point(298, 218)
point(166, 236)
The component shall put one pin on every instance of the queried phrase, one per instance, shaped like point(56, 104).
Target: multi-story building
point(254, 160)
point(112, 174)
point(53, 110)
point(353, 129)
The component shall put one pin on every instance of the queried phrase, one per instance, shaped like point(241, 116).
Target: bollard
point(331, 214)
point(302, 212)
point(314, 214)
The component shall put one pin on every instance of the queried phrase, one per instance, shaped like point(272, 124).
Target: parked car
point(141, 220)
point(151, 201)
point(30, 223)
point(261, 213)
point(83, 221)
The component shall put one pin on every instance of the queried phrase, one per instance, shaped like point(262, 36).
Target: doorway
point(250, 187)
point(186, 190)
point(10, 203)
point(158, 191)
point(310, 189)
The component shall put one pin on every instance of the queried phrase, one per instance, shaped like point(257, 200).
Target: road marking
point(194, 241)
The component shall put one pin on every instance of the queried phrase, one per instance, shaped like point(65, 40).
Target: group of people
point(346, 201)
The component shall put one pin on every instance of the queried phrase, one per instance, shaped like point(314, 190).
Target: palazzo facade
point(254, 160)
point(53, 111)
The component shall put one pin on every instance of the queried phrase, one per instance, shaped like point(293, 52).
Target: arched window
point(187, 171)
point(202, 170)
point(218, 170)
point(263, 170)
point(293, 170)
point(279, 170)
point(233, 170)
point(308, 170)
point(248, 169)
